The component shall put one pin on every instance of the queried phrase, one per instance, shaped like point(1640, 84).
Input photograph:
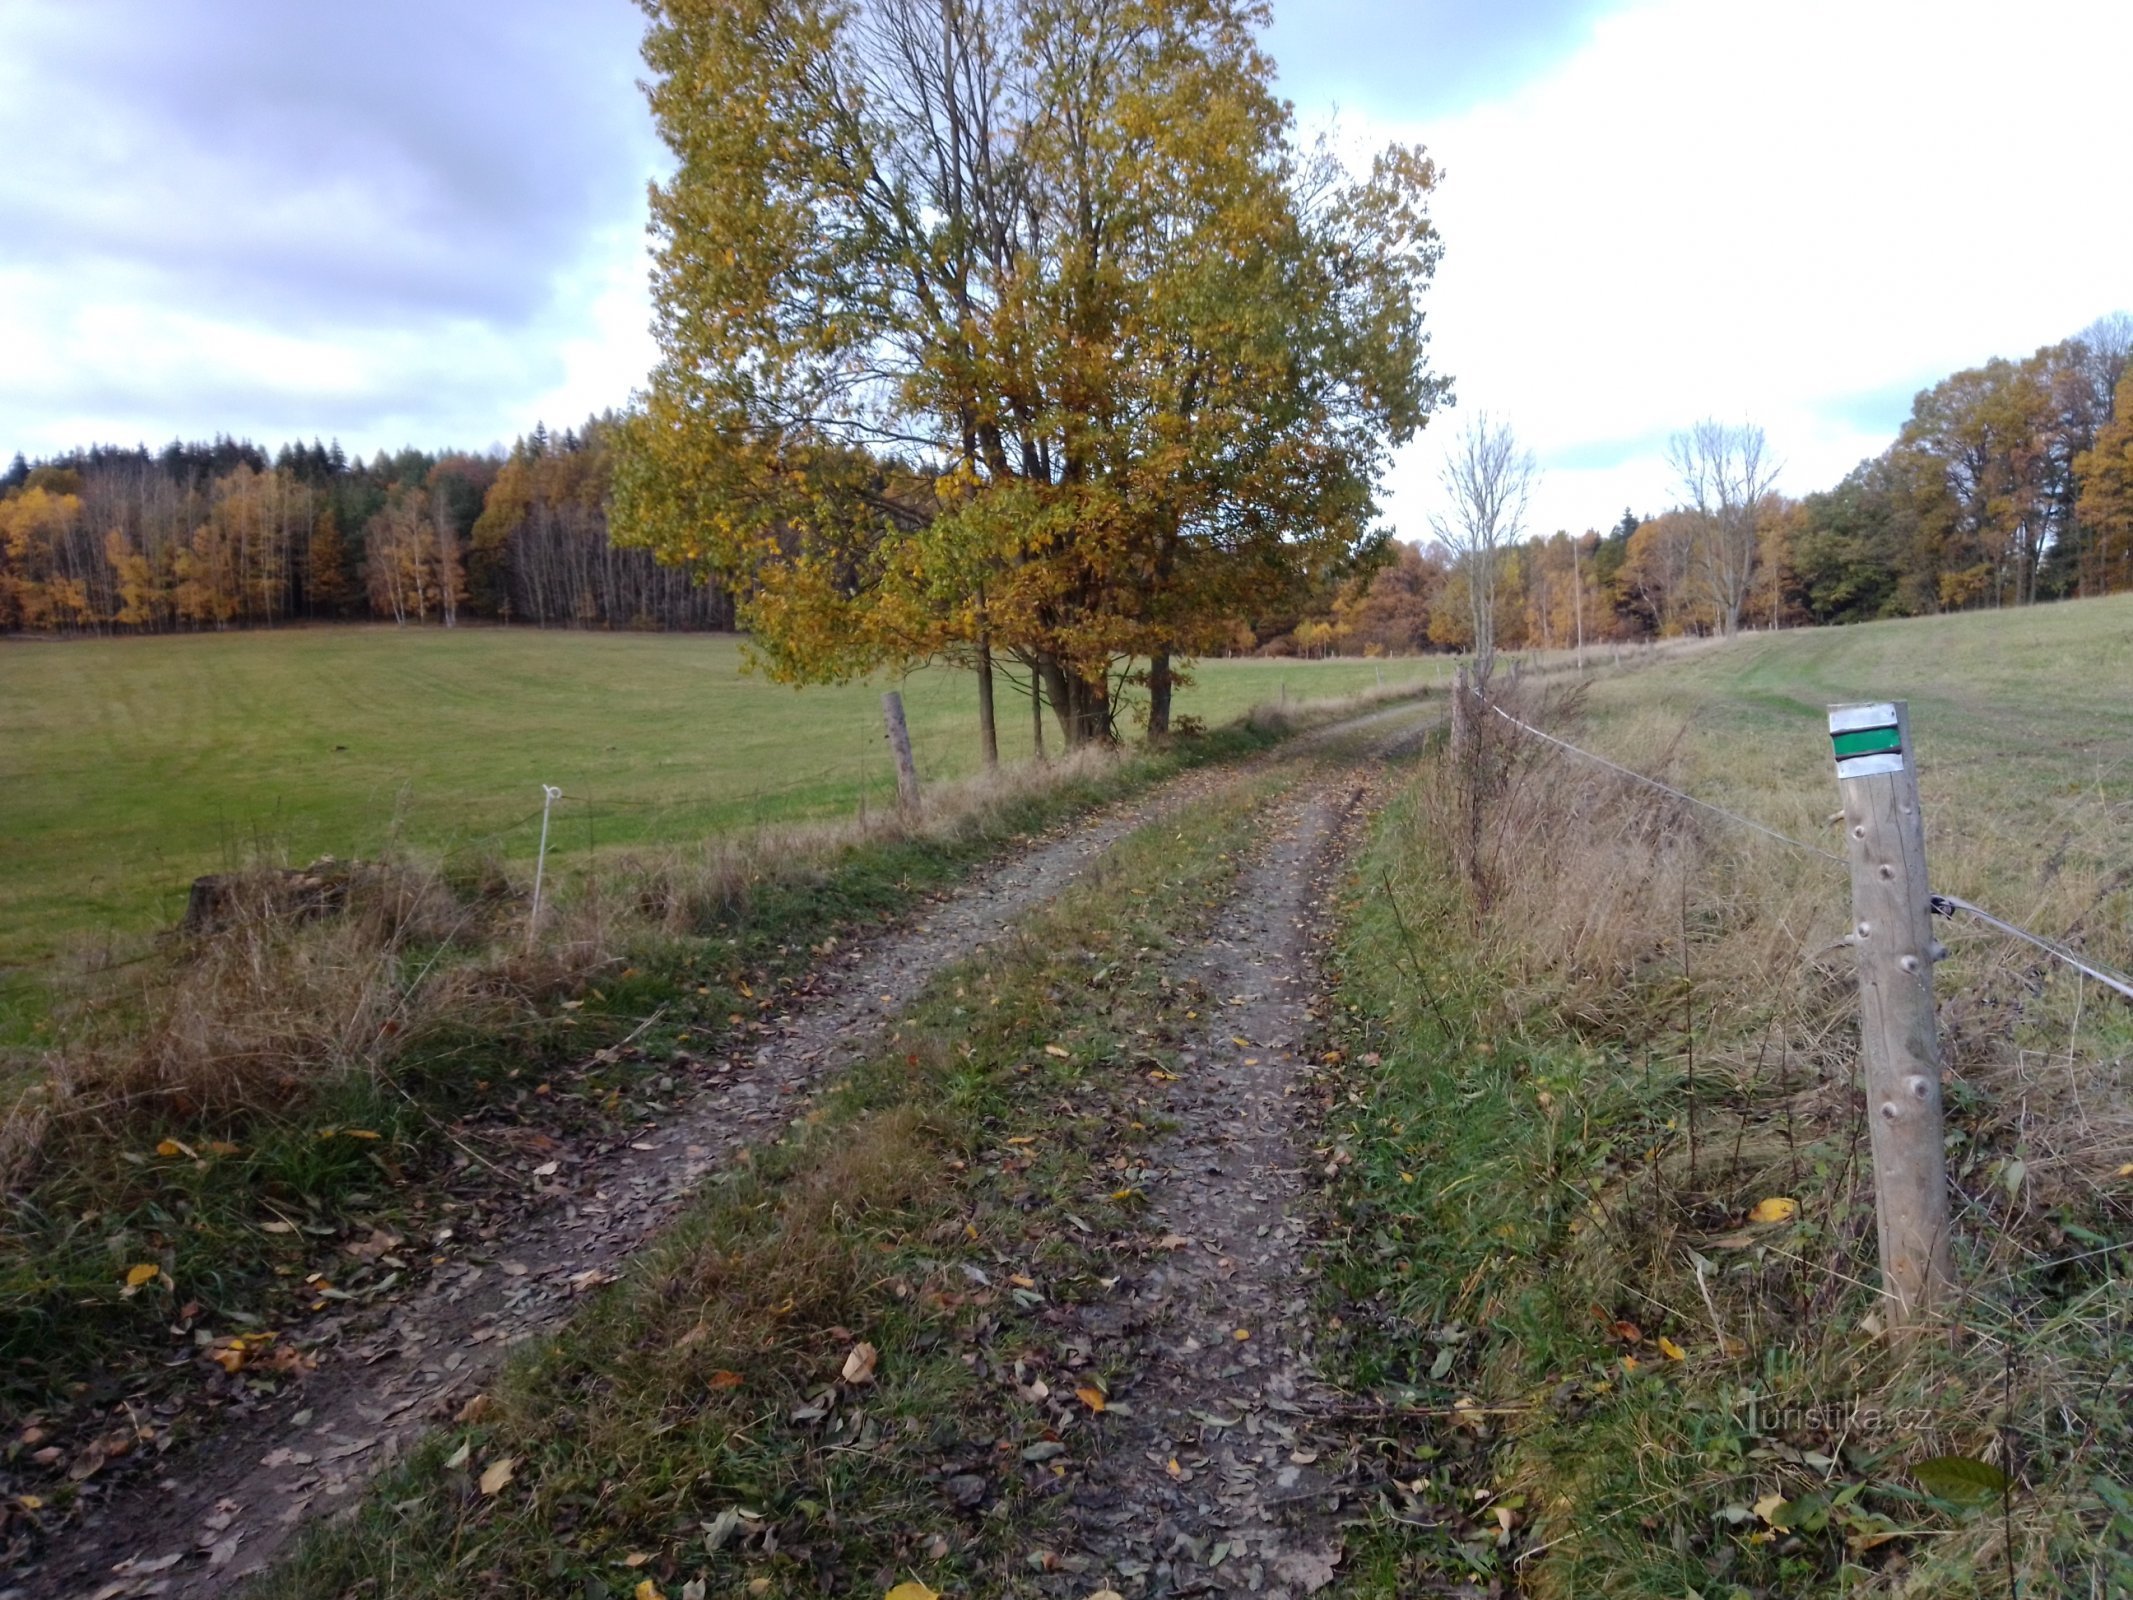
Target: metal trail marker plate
point(1866, 740)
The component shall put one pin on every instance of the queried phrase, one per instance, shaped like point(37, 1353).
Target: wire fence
point(1942, 904)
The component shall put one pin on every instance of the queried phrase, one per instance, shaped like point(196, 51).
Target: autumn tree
point(1725, 470)
point(2105, 473)
point(1059, 260)
point(1487, 481)
point(1387, 610)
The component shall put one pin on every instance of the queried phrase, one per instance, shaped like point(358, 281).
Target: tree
point(1724, 472)
point(2106, 506)
point(1057, 266)
point(1386, 611)
point(1487, 480)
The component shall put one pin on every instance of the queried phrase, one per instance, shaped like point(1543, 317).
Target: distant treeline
point(2011, 483)
point(221, 535)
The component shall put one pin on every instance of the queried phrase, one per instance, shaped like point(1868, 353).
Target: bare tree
point(1488, 480)
point(1725, 471)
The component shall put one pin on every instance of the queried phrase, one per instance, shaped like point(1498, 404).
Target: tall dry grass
point(1673, 941)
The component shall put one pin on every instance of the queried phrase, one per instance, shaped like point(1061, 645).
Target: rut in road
point(223, 1509)
point(1219, 1475)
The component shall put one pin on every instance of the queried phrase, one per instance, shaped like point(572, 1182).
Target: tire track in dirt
point(222, 1508)
point(1217, 1473)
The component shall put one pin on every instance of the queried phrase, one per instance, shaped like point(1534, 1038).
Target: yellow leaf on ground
point(859, 1365)
point(636, 1558)
point(498, 1473)
point(1768, 1505)
point(1775, 1209)
point(1059, 1050)
point(646, 1590)
point(1671, 1350)
point(172, 1147)
point(1242, 1334)
point(146, 1272)
point(1091, 1396)
point(911, 1591)
point(723, 1379)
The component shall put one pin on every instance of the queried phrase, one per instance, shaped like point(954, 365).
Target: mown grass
point(252, 1102)
point(696, 1425)
point(128, 767)
point(1588, 1075)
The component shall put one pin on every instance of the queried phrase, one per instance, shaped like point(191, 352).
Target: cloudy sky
point(422, 223)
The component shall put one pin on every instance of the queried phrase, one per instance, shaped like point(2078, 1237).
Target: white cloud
point(1796, 213)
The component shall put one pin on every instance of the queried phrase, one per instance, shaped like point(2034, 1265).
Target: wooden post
point(892, 712)
point(1892, 934)
point(1462, 716)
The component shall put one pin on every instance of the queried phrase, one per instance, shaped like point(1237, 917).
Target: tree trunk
point(1036, 712)
point(1083, 708)
point(988, 732)
point(1159, 687)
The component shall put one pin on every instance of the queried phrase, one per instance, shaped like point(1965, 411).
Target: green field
point(129, 766)
point(2022, 721)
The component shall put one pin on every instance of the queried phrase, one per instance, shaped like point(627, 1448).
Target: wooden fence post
point(1892, 935)
point(1462, 716)
point(892, 712)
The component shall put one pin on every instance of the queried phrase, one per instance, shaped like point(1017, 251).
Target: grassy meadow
point(129, 766)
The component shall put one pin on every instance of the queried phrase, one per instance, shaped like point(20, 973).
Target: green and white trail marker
point(1866, 739)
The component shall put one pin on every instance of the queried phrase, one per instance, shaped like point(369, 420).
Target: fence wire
point(1941, 904)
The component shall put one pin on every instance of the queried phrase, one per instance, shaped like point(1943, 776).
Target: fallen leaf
point(174, 1147)
point(477, 1407)
point(722, 1379)
point(1776, 1209)
point(859, 1365)
point(1242, 1334)
point(1091, 1396)
point(1671, 1350)
point(1628, 1332)
point(1768, 1506)
point(498, 1473)
point(636, 1558)
point(911, 1591)
point(277, 1227)
point(1960, 1480)
point(458, 1458)
point(1060, 1051)
point(646, 1590)
point(146, 1272)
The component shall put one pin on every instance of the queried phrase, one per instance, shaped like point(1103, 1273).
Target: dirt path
point(218, 1511)
point(1215, 1474)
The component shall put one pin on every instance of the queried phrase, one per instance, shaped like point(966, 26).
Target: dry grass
point(1669, 941)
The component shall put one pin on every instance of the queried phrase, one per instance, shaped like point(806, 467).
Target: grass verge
point(1602, 1229)
point(844, 1368)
